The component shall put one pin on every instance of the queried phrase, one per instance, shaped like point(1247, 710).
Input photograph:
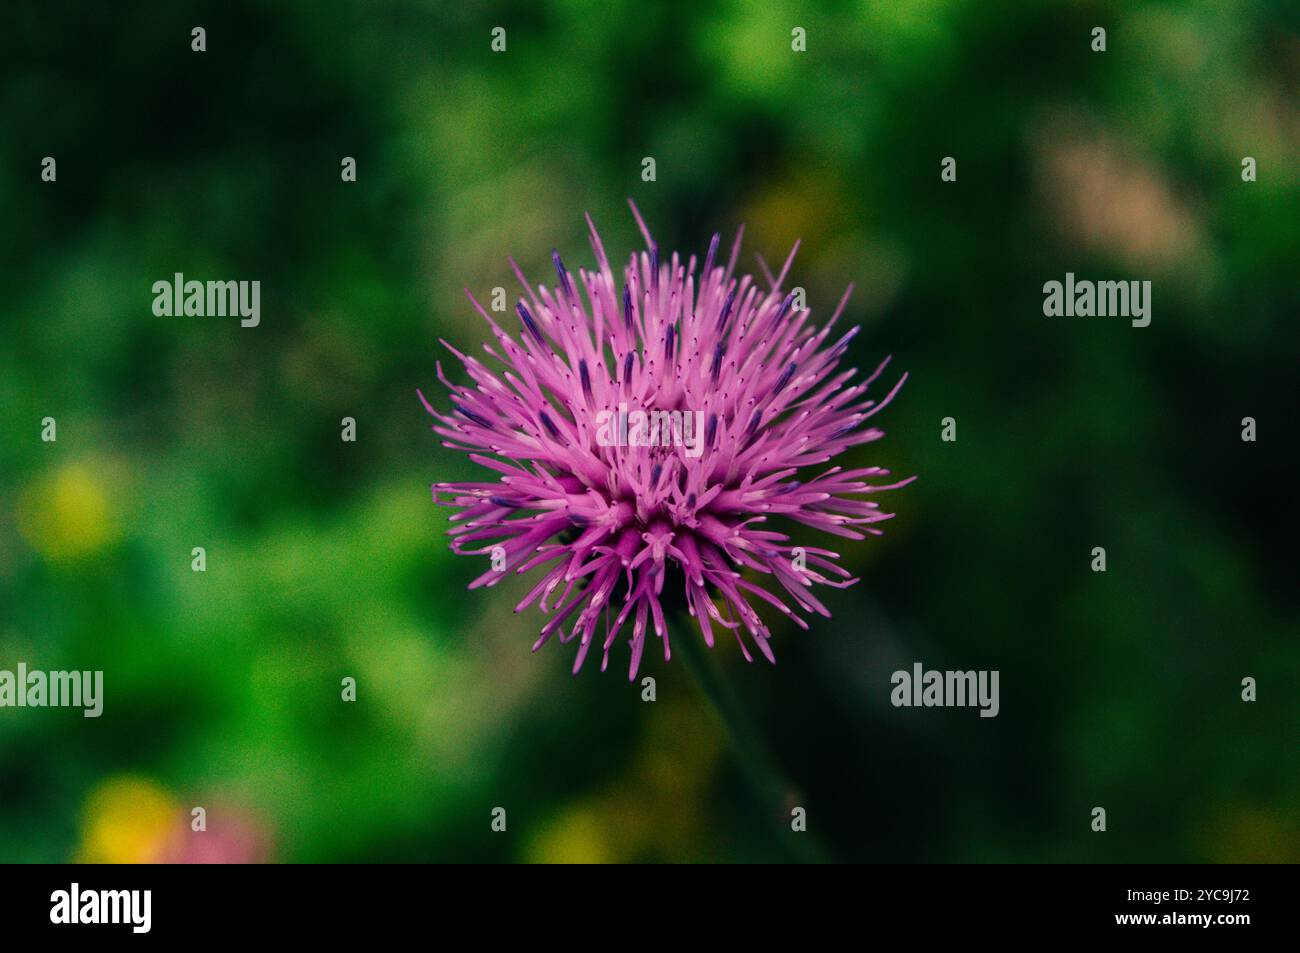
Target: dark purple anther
point(725, 313)
point(529, 323)
point(586, 378)
point(785, 378)
point(785, 307)
point(472, 416)
point(549, 425)
point(564, 275)
point(708, 259)
point(842, 344)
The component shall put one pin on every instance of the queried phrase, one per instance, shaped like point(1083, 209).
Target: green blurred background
point(327, 559)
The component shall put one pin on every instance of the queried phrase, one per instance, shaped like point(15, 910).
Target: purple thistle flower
point(615, 521)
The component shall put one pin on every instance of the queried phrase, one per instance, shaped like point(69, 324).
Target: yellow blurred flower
point(66, 516)
point(126, 821)
point(1250, 835)
point(656, 810)
point(576, 836)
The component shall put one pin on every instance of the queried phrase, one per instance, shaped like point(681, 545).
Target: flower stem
point(777, 797)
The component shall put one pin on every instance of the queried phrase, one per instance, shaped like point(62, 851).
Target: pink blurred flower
point(232, 836)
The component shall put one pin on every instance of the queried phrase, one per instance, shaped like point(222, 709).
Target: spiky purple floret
point(613, 519)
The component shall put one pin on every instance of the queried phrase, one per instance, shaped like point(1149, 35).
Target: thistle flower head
point(639, 439)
